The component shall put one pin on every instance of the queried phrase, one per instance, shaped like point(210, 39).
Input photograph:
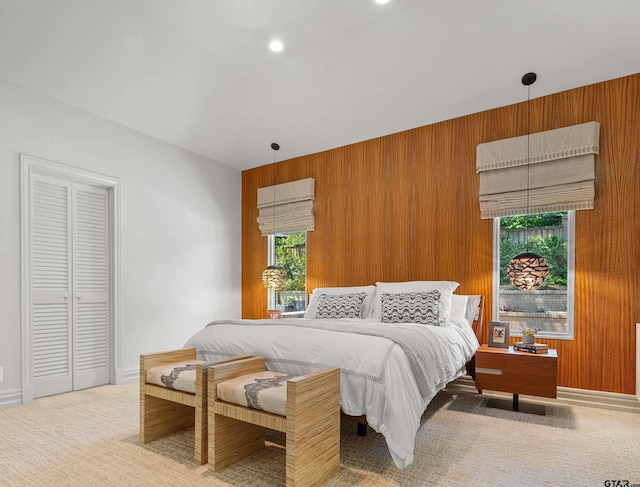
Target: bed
point(397, 345)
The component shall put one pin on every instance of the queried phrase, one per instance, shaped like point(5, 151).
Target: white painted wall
point(180, 234)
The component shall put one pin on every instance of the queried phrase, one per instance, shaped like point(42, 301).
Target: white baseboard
point(11, 397)
point(566, 395)
point(600, 399)
point(14, 397)
point(131, 375)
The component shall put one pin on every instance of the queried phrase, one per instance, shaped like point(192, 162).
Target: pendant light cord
point(528, 150)
point(274, 200)
point(275, 147)
point(527, 80)
point(528, 136)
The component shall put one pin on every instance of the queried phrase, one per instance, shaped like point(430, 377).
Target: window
point(290, 252)
point(549, 308)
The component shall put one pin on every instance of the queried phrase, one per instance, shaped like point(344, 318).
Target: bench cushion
point(180, 376)
point(266, 391)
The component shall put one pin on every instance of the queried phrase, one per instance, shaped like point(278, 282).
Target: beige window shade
point(286, 207)
point(561, 172)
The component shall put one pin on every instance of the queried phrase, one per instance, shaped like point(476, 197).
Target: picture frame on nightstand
point(274, 314)
point(499, 334)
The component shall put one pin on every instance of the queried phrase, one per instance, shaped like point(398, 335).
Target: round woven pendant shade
point(527, 270)
point(273, 277)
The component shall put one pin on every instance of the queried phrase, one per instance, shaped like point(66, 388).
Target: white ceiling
point(198, 73)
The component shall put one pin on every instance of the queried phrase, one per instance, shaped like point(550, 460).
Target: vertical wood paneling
point(405, 207)
point(254, 247)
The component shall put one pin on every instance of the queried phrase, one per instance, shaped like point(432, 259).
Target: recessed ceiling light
point(382, 2)
point(276, 46)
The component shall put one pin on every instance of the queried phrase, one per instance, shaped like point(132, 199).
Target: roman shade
point(286, 207)
point(560, 174)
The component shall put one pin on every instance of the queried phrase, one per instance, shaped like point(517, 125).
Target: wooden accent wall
point(405, 207)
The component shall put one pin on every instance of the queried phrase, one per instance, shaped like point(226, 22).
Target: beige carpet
point(89, 438)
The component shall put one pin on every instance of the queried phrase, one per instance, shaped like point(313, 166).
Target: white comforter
point(376, 376)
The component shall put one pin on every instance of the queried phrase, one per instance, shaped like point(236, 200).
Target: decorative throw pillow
point(340, 306)
point(317, 292)
point(446, 289)
point(421, 308)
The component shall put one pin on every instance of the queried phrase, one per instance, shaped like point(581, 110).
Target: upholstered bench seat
point(266, 391)
point(180, 376)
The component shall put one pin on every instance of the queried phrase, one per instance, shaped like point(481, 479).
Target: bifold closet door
point(70, 269)
point(51, 286)
point(90, 286)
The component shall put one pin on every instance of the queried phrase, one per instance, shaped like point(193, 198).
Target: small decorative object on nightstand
point(274, 314)
point(528, 335)
point(499, 334)
point(531, 347)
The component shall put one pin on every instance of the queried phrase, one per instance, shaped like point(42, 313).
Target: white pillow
point(458, 311)
point(472, 308)
point(446, 289)
point(313, 302)
point(464, 308)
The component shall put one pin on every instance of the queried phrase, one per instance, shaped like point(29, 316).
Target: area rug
point(90, 438)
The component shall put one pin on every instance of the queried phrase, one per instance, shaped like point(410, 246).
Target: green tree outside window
point(291, 254)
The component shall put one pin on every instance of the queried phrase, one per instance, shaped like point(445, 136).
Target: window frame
point(271, 260)
point(571, 237)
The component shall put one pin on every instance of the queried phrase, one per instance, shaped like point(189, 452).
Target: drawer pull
point(482, 370)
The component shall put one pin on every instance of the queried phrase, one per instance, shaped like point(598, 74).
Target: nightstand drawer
point(517, 372)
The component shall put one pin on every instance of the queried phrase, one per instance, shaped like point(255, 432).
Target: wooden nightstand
point(506, 370)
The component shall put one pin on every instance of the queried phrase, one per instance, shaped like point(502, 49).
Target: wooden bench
point(311, 404)
point(165, 410)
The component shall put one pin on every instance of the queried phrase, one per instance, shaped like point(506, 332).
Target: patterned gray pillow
point(335, 306)
point(411, 308)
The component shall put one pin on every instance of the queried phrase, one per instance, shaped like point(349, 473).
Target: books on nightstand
point(531, 347)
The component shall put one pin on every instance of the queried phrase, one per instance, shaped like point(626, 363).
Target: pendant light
point(273, 276)
point(528, 270)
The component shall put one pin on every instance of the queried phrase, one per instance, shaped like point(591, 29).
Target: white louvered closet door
point(91, 286)
point(51, 286)
point(70, 285)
